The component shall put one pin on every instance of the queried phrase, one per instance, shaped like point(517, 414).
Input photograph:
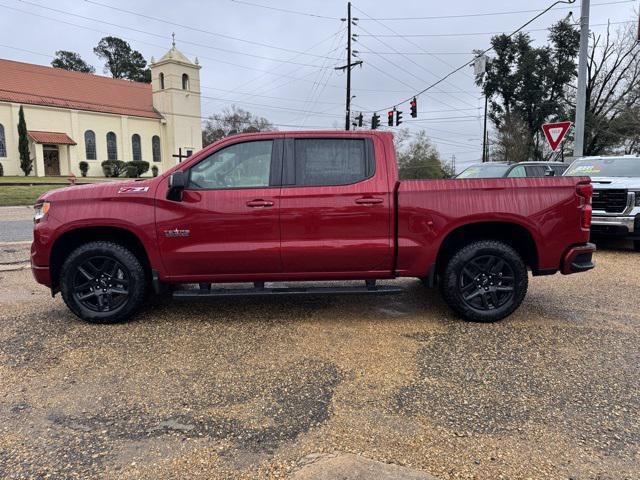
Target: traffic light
point(359, 119)
point(375, 121)
point(414, 107)
point(398, 117)
point(390, 117)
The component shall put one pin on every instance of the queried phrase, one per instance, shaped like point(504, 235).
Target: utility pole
point(347, 67)
point(581, 98)
point(484, 131)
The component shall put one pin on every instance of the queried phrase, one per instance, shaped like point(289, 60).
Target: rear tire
point(484, 281)
point(103, 282)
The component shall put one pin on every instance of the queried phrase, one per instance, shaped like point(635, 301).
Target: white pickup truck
point(616, 195)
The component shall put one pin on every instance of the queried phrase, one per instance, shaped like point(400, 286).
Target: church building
point(73, 117)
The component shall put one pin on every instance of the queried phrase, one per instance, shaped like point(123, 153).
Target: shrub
point(1, 170)
point(113, 168)
point(137, 168)
point(154, 170)
point(84, 168)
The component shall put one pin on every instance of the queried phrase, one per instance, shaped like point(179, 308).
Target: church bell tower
point(175, 82)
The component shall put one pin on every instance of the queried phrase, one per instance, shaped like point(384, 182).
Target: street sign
point(555, 132)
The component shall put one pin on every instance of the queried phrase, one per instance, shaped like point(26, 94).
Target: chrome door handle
point(259, 203)
point(369, 201)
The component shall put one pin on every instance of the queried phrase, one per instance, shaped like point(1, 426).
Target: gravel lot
point(246, 388)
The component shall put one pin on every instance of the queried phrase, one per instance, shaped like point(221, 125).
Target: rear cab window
point(328, 161)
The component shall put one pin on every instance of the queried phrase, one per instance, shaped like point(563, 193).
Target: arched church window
point(155, 148)
point(136, 149)
point(90, 145)
point(112, 146)
point(161, 81)
point(3, 143)
point(185, 81)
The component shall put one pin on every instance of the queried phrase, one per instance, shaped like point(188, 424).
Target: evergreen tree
point(122, 61)
point(71, 61)
point(530, 83)
point(420, 159)
point(23, 144)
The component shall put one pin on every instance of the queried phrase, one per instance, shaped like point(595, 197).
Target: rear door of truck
point(336, 205)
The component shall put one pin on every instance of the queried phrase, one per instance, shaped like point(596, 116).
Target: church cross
point(179, 156)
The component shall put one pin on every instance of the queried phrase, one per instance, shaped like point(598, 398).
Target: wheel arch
point(513, 234)
point(72, 239)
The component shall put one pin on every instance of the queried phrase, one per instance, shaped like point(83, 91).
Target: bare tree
point(613, 93)
point(230, 121)
point(511, 140)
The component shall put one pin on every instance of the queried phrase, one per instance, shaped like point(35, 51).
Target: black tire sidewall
point(450, 284)
point(137, 281)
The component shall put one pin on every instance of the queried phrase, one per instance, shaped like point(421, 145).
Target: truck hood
point(603, 183)
point(100, 190)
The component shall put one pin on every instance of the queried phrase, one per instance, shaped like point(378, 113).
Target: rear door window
point(536, 170)
point(327, 161)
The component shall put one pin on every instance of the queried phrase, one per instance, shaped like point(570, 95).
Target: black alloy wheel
point(101, 284)
point(486, 282)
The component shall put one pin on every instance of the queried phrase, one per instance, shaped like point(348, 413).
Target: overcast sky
point(280, 65)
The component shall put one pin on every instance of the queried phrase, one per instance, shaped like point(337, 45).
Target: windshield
point(484, 171)
point(605, 167)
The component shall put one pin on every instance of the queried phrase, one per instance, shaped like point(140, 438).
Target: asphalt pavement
point(16, 224)
point(252, 388)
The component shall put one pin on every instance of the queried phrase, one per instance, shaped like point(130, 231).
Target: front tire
point(484, 281)
point(103, 282)
point(636, 245)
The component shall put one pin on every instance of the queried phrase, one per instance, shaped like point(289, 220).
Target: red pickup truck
point(305, 206)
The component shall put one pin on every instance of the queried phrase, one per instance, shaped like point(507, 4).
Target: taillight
point(586, 217)
point(585, 192)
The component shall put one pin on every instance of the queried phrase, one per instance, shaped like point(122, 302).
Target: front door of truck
point(335, 207)
point(227, 221)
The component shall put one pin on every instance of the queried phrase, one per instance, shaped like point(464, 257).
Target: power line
point(470, 34)
point(443, 79)
point(200, 30)
point(156, 45)
point(157, 35)
point(284, 10)
point(409, 42)
point(492, 14)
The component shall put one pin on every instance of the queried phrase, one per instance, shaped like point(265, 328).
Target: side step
point(205, 291)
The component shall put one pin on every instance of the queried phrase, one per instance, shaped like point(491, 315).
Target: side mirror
point(550, 173)
point(177, 183)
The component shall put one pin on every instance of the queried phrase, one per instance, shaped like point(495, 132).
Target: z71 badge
point(133, 189)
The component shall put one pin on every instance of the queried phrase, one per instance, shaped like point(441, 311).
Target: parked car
point(616, 195)
point(304, 206)
point(522, 169)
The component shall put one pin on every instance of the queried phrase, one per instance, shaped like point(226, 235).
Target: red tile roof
point(37, 85)
point(55, 138)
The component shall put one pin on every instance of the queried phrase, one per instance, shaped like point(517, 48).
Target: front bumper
point(578, 259)
point(624, 226)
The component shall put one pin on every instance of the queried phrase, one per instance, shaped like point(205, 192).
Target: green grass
point(59, 179)
point(11, 195)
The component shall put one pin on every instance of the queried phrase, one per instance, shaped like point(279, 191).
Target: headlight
point(40, 210)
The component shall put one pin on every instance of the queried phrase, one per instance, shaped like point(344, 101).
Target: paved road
point(16, 224)
point(16, 230)
point(244, 389)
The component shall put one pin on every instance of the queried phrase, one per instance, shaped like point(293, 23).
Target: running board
point(243, 292)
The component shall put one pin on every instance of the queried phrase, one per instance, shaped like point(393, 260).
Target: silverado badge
point(176, 233)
